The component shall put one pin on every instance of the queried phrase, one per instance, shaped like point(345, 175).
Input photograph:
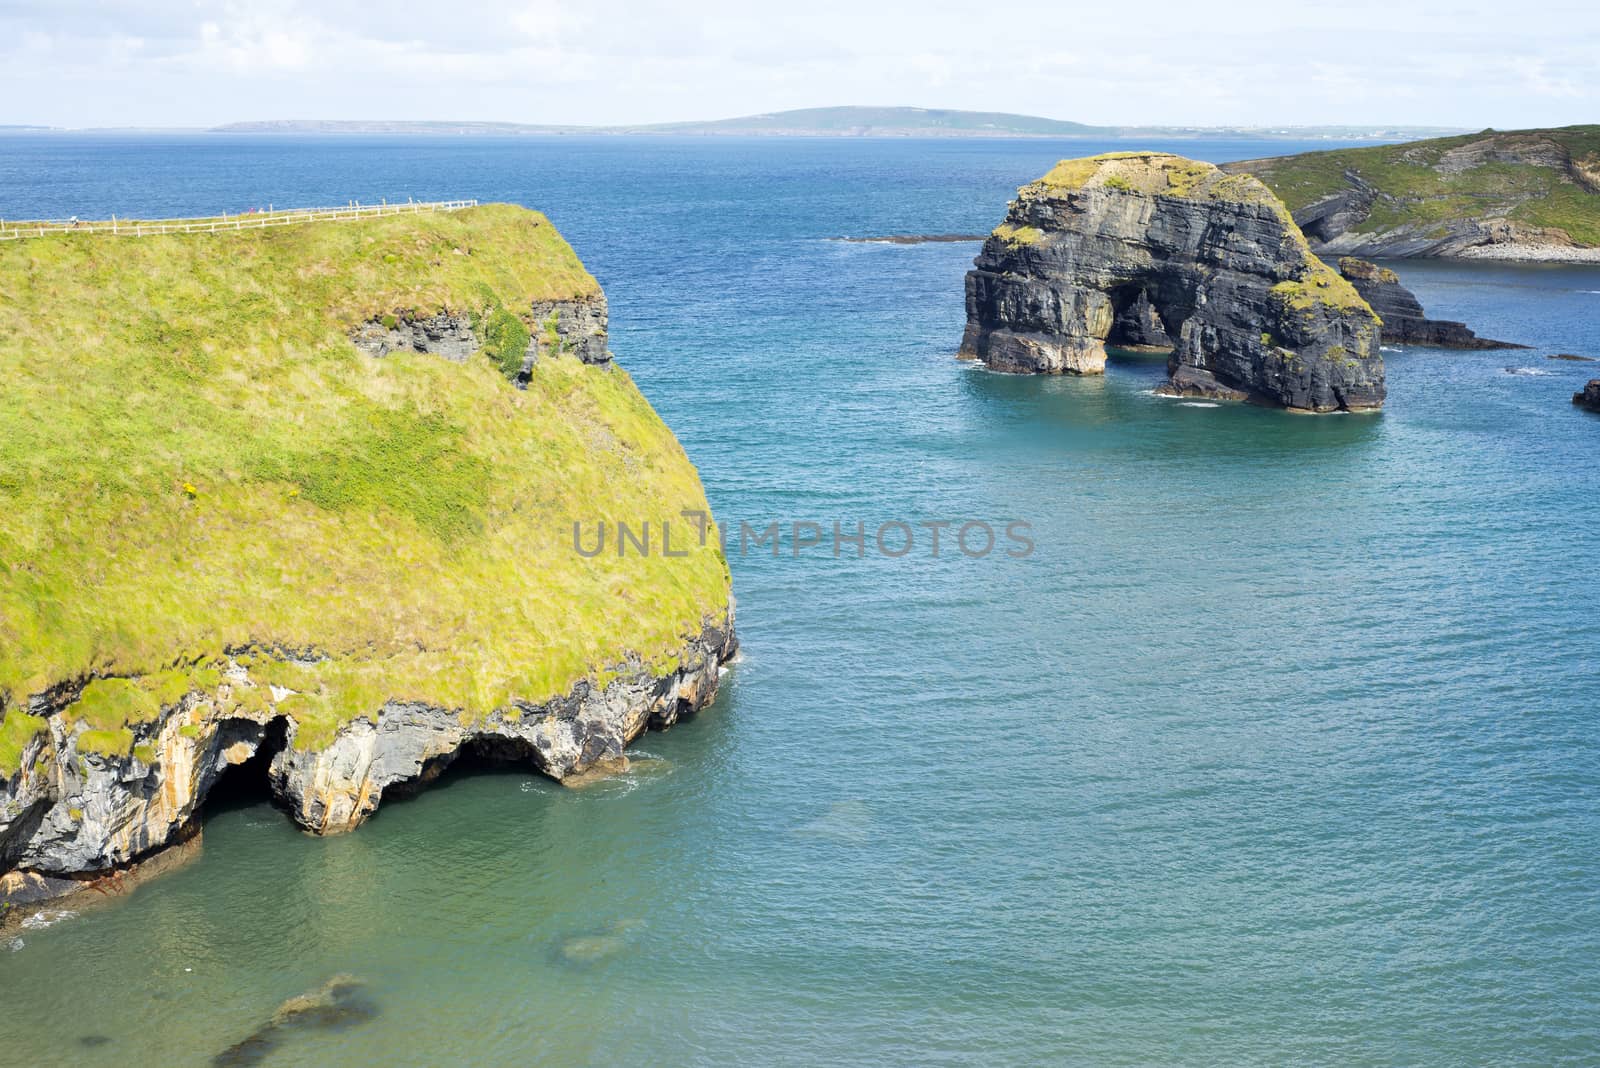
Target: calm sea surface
point(1283, 746)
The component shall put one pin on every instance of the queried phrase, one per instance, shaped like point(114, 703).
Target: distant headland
point(1503, 195)
point(830, 122)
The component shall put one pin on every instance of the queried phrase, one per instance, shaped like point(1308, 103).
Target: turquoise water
point(1281, 747)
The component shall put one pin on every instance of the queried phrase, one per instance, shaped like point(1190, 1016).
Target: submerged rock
point(593, 947)
point(1404, 321)
point(337, 1004)
point(1589, 396)
point(1133, 247)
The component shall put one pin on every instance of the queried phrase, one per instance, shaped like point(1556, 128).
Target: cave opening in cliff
point(490, 754)
point(1143, 319)
point(477, 757)
point(249, 782)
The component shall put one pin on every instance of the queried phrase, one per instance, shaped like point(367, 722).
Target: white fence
point(11, 230)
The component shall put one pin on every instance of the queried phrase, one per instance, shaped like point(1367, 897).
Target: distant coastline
point(806, 122)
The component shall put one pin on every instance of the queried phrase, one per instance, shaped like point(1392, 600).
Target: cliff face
point(1404, 321)
point(287, 518)
point(1528, 194)
point(1137, 248)
point(76, 808)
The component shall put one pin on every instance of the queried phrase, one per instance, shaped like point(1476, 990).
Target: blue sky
point(200, 62)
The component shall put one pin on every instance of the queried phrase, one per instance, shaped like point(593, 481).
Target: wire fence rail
point(14, 229)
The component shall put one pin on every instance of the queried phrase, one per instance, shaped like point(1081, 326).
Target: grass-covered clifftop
point(194, 458)
point(1533, 188)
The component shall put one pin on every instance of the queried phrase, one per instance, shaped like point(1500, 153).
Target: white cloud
point(85, 62)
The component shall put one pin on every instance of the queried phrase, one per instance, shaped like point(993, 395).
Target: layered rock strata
point(72, 811)
point(1131, 248)
point(1404, 321)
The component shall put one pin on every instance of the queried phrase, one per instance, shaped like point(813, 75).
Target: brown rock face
point(1145, 248)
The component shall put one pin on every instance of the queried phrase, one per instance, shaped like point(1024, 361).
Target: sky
point(80, 63)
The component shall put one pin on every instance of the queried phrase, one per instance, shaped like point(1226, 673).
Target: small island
point(1151, 249)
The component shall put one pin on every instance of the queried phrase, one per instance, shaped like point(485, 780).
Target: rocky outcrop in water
point(1404, 321)
point(1153, 249)
point(1589, 396)
point(73, 811)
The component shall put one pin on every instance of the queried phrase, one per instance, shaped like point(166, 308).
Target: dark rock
point(561, 328)
point(1133, 247)
point(1404, 321)
point(911, 239)
point(573, 328)
point(1589, 396)
point(444, 335)
point(1139, 326)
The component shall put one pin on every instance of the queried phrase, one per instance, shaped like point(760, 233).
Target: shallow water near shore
point(1282, 746)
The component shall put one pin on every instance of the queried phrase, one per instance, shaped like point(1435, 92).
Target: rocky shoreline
point(70, 816)
point(1513, 195)
point(1528, 253)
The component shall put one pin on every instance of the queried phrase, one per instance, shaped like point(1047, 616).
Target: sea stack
point(1141, 248)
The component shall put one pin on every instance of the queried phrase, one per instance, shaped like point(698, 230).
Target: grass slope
point(194, 458)
point(1414, 189)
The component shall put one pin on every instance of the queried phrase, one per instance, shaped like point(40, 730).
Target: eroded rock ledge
point(73, 811)
point(1145, 248)
point(1404, 321)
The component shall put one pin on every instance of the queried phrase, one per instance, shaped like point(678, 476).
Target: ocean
point(1281, 746)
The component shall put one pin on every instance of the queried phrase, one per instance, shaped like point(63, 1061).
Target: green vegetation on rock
point(1548, 179)
point(194, 458)
point(1018, 236)
point(16, 731)
point(1150, 174)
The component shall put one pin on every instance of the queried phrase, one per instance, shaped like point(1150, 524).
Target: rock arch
point(1146, 248)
